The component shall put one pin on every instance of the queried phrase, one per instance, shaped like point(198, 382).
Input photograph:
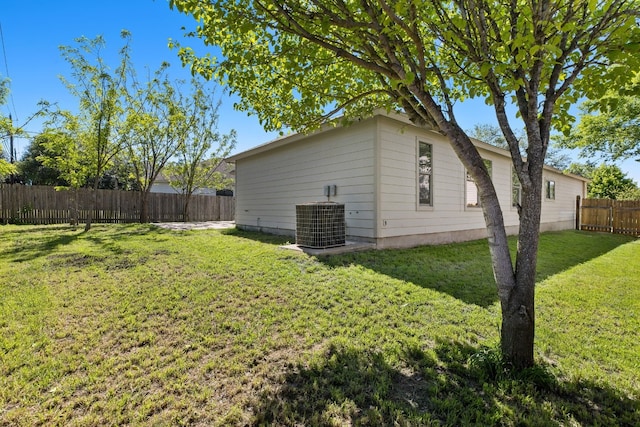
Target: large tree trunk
point(515, 288)
point(518, 308)
point(515, 291)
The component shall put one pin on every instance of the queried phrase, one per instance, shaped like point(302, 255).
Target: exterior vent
point(320, 225)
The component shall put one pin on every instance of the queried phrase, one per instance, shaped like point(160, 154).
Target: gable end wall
point(270, 184)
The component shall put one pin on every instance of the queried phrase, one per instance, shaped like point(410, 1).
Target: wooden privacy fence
point(44, 205)
point(614, 216)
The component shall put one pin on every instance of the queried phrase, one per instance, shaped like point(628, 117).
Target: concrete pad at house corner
point(203, 225)
point(336, 250)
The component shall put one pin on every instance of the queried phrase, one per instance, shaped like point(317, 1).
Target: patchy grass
point(138, 325)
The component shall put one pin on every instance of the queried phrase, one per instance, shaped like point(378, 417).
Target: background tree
point(157, 126)
point(31, 168)
point(311, 59)
point(610, 182)
point(607, 181)
point(200, 158)
point(6, 168)
point(583, 169)
point(100, 94)
point(493, 135)
point(64, 150)
point(609, 127)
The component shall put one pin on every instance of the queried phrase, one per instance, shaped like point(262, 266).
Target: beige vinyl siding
point(562, 209)
point(374, 164)
point(271, 183)
point(401, 215)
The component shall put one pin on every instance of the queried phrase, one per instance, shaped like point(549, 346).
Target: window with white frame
point(550, 189)
point(425, 174)
point(471, 189)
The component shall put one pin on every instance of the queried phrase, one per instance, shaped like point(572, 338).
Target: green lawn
point(138, 325)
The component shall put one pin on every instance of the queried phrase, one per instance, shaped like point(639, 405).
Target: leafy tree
point(296, 63)
point(607, 181)
point(32, 169)
point(6, 168)
point(610, 126)
point(94, 130)
point(157, 125)
point(493, 135)
point(610, 182)
point(629, 193)
point(583, 169)
point(64, 150)
point(201, 155)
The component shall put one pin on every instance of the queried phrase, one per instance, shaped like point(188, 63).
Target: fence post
point(577, 212)
point(611, 218)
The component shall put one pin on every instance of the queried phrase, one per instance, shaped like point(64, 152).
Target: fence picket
point(614, 216)
point(44, 205)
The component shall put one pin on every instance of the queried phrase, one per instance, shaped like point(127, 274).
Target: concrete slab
point(348, 247)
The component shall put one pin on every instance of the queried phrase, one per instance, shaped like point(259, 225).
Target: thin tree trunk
point(144, 207)
point(185, 211)
point(93, 206)
point(74, 209)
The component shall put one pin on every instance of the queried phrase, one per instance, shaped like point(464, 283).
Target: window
point(425, 174)
point(472, 196)
point(516, 189)
point(550, 189)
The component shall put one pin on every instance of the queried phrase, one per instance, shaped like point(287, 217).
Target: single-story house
point(401, 185)
point(162, 185)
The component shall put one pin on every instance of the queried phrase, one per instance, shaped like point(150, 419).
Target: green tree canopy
point(610, 182)
point(609, 127)
point(32, 169)
point(295, 63)
point(492, 134)
point(156, 126)
point(201, 155)
point(6, 168)
point(92, 133)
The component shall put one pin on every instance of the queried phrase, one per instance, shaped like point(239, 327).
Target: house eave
point(398, 117)
point(295, 137)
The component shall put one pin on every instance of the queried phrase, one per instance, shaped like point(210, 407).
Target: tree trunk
point(515, 288)
point(74, 209)
point(93, 206)
point(518, 308)
point(144, 207)
point(185, 211)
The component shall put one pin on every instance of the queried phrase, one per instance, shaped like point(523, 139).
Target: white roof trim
point(403, 118)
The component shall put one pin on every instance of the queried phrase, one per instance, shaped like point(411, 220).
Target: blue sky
point(33, 30)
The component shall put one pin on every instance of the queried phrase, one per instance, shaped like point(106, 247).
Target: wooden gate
point(613, 216)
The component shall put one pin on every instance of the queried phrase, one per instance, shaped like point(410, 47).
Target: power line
point(6, 67)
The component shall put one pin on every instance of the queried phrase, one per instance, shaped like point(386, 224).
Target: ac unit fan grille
point(320, 225)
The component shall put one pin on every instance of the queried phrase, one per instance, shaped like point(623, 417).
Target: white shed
point(401, 185)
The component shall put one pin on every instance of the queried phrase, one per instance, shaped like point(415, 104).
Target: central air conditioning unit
point(320, 225)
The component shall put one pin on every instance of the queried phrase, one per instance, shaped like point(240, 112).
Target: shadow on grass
point(270, 239)
point(31, 242)
point(463, 270)
point(354, 387)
